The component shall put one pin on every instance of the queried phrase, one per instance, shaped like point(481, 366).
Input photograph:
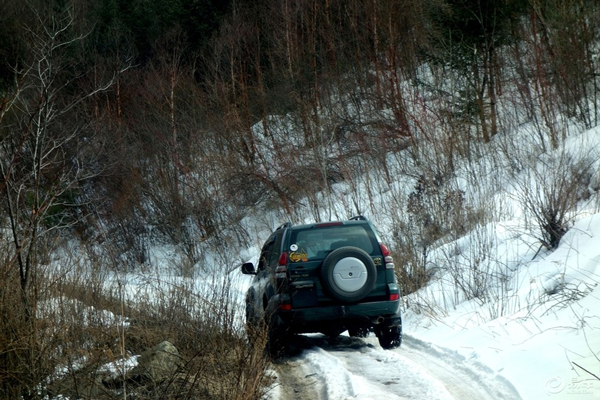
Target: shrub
point(549, 188)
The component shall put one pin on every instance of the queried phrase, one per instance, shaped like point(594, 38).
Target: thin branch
point(591, 373)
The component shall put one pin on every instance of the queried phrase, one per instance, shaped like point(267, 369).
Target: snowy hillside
point(538, 323)
point(542, 333)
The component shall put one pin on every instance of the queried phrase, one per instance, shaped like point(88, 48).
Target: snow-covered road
point(353, 368)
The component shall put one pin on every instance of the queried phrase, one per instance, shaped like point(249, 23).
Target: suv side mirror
point(248, 269)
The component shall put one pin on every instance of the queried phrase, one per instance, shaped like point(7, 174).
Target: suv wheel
point(348, 274)
point(359, 331)
point(389, 337)
point(333, 332)
point(277, 341)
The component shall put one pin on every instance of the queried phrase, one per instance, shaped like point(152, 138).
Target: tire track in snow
point(465, 379)
point(358, 369)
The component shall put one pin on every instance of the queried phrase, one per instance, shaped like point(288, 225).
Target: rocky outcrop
point(157, 364)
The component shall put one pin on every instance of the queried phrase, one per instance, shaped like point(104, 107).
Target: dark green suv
point(325, 277)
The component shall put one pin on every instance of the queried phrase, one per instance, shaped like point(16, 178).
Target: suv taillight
point(389, 261)
point(281, 270)
point(282, 259)
point(384, 250)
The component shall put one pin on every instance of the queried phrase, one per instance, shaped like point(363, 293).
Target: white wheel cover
point(350, 274)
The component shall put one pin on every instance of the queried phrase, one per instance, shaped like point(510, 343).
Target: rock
point(157, 364)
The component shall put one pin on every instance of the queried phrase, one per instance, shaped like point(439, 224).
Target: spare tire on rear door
point(348, 274)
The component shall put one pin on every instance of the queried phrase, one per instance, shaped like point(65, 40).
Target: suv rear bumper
point(314, 319)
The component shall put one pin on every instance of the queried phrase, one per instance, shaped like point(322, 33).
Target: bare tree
point(47, 155)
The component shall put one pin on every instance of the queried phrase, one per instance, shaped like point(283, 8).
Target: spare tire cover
point(348, 274)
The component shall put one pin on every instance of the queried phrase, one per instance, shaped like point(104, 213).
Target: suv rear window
point(317, 242)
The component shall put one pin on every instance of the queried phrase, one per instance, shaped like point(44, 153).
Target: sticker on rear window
point(294, 247)
point(298, 256)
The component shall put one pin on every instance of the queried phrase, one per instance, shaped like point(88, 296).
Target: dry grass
point(81, 325)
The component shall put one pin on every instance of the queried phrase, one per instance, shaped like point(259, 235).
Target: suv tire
point(348, 274)
point(389, 337)
point(276, 342)
point(359, 331)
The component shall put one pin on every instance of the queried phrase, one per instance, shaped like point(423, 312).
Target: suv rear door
point(309, 246)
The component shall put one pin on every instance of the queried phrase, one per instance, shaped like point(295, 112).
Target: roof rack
point(286, 225)
point(358, 218)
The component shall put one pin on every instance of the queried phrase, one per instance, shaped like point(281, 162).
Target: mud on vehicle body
point(325, 277)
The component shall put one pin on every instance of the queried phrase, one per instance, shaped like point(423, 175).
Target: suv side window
point(269, 255)
point(265, 255)
point(274, 251)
